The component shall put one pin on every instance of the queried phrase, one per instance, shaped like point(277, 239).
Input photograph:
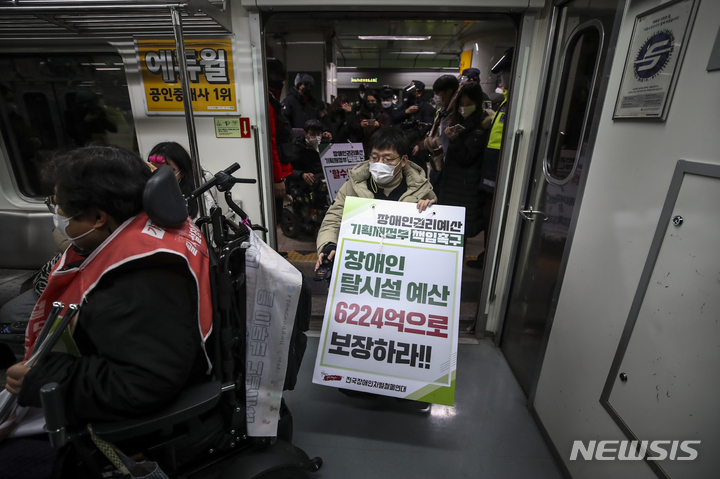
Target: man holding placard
point(391, 320)
point(386, 176)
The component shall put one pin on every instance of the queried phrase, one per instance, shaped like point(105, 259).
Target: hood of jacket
point(300, 97)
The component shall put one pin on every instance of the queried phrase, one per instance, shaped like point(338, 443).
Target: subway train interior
point(591, 282)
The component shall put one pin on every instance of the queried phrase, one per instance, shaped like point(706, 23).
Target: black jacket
point(298, 108)
point(363, 134)
point(339, 125)
point(140, 344)
point(461, 174)
point(425, 113)
point(307, 160)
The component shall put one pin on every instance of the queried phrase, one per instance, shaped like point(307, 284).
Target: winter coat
point(461, 174)
point(339, 125)
point(363, 134)
point(283, 141)
point(298, 108)
point(138, 338)
point(418, 188)
point(307, 159)
point(425, 113)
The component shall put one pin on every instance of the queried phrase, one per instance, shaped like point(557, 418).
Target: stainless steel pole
point(187, 102)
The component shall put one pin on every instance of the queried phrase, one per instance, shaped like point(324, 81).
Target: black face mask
point(371, 106)
point(276, 84)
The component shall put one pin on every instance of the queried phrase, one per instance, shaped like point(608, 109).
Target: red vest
point(136, 238)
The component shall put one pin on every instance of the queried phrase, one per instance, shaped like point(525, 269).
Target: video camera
point(415, 126)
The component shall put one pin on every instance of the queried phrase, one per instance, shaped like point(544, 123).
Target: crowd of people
point(453, 138)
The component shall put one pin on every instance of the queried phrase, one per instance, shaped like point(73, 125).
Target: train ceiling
point(37, 19)
point(389, 42)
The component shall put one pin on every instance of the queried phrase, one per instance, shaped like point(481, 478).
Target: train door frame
point(488, 321)
point(525, 27)
point(263, 145)
point(554, 49)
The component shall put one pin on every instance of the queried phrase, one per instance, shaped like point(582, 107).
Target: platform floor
point(488, 434)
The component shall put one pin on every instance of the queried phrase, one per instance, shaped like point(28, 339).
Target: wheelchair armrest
point(190, 403)
point(53, 404)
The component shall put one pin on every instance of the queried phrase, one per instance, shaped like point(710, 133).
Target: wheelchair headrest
point(162, 199)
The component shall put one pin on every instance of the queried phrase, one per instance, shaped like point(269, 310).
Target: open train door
point(566, 136)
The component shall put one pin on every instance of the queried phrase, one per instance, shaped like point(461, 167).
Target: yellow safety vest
point(496, 130)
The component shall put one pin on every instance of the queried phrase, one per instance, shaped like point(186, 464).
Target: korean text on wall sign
point(209, 68)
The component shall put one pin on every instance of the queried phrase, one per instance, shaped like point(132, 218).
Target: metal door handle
point(525, 214)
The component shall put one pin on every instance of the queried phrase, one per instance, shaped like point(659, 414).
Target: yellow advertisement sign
point(210, 71)
point(465, 60)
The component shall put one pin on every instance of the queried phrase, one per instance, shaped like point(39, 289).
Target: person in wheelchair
point(144, 291)
point(387, 175)
point(305, 185)
point(306, 165)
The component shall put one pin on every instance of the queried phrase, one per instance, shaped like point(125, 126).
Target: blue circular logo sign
point(654, 55)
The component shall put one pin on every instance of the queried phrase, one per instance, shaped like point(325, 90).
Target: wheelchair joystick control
point(324, 271)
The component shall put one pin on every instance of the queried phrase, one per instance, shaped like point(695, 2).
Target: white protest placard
point(337, 160)
point(392, 316)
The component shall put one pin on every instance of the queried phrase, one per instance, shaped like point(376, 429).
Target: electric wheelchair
point(202, 434)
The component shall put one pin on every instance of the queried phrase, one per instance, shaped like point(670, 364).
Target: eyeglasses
point(384, 159)
point(51, 205)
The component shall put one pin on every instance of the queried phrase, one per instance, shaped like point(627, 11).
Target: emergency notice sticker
point(391, 321)
point(210, 71)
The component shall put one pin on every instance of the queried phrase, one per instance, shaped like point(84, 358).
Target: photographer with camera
point(415, 117)
point(436, 141)
point(413, 108)
point(368, 120)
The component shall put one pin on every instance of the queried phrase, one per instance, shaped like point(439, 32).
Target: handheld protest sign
point(392, 316)
point(337, 161)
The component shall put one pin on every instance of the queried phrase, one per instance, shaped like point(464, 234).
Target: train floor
point(489, 433)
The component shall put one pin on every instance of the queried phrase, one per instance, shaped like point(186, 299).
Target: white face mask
point(382, 173)
point(499, 90)
point(438, 101)
point(62, 222)
point(315, 141)
point(386, 104)
point(466, 111)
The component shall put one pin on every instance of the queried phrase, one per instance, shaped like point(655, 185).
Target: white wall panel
point(631, 171)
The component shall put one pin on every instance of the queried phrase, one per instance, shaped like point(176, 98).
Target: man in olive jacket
point(386, 176)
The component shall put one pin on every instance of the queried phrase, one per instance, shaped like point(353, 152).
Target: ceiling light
point(392, 37)
point(415, 53)
point(477, 49)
